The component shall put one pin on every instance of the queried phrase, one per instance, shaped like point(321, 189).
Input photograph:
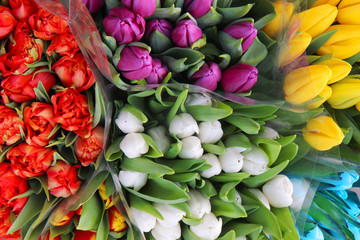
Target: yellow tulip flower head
point(324, 95)
point(346, 93)
point(349, 12)
point(304, 84)
point(322, 133)
point(339, 68)
point(331, 2)
point(296, 46)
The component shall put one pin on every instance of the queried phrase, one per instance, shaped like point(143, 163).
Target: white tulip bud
point(301, 187)
point(161, 232)
point(215, 169)
point(133, 179)
point(198, 203)
point(269, 133)
point(238, 197)
point(191, 148)
point(183, 125)
point(278, 191)
point(143, 220)
point(210, 132)
point(198, 99)
point(128, 123)
point(162, 140)
point(232, 160)
point(209, 228)
point(255, 161)
point(171, 215)
point(134, 145)
point(260, 196)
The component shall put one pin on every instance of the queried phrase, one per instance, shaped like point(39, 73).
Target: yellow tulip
point(284, 12)
point(357, 106)
point(322, 133)
point(304, 84)
point(349, 12)
point(315, 21)
point(346, 93)
point(339, 68)
point(324, 95)
point(331, 2)
point(344, 43)
point(296, 46)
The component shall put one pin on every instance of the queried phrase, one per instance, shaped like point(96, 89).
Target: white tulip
point(134, 145)
point(191, 148)
point(215, 169)
point(269, 133)
point(278, 191)
point(133, 179)
point(198, 99)
point(162, 140)
point(232, 160)
point(210, 132)
point(255, 161)
point(183, 125)
point(198, 203)
point(161, 232)
point(143, 220)
point(259, 194)
point(301, 187)
point(171, 215)
point(128, 123)
point(241, 238)
point(238, 197)
point(209, 228)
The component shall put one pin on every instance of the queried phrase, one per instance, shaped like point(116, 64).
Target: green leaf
point(183, 177)
point(227, 192)
point(228, 236)
point(154, 151)
point(230, 177)
point(70, 139)
point(145, 165)
point(45, 211)
point(208, 190)
point(238, 140)
point(231, 14)
point(114, 152)
point(191, 221)
point(227, 209)
point(255, 54)
point(178, 103)
point(287, 153)
point(297, 118)
point(187, 234)
point(351, 60)
point(211, 18)
point(41, 93)
point(172, 13)
point(136, 112)
point(242, 229)
point(103, 229)
point(286, 223)
point(271, 147)
point(245, 124)
point(144, 205)
point(319, 41)
point(91, 214)
point(286, 140)
point(100, 110)
point(254, 111)
point(159, 42)
point(263, 12)
point(214, 149)
point(209, 113)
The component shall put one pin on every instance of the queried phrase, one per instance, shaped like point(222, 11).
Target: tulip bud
point(348, 12)
point(259, 194)
point(191, 148)
point(134, 145)
point(135, 63)
point(237, 38)
point(161, 232)
point(159, 135)
point(143, 8)
point(183, 125)
point(143, 220)
point(324, 95)
point(339, 68)
point(133, 179)
point(171, 215)
point(331, 2)
point(232, 160)
point(128, 123)
point(297, 45)
point(8, 22)
point(345, 93)
point(197, 8)
point(207, 76)
point(303, 84)
point(278, 191)
point(322, 133)
point(214, 162)
point(210, 132)
point(186, 33)
point(195, 99)
point(117, 222)
point(124, 25)
point(158, 34)
point(209, 228)
point(284, 12)
point(199, 204)
point(158, 73)
point(239, 78)
point(344, 43)
point(255, 161)
point(269, 133)
point(93, 5)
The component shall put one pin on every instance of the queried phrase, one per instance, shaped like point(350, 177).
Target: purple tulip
point(162, 25)
point(93, 5)
point(239, 78)
point(207, 76)
point(144, 8)
point(158, 73)
point(124, 25)
point(135, 63)
point(197, 8)
point(244, 30)
point(186, 33)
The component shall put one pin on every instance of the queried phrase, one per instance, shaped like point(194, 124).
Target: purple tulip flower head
point(93, 5)
point(124, 25)
point(162, 25)
point(158, 73)
point(186, 33)
point(144, 8)
point(207, 76)
point(239, 78)
point(197, 8)
point(135, 63)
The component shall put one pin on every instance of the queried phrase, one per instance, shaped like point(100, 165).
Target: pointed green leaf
point(209, 113)
point(144, 205)
point(181, 166)
point(227, 209)
point(91, 214)
point(245, 124)
point(319, 41)
point(154, 151)
point(231, 14)
point(114, 152)
point(214, 149)
point(230, 177)
point(255, 54)
point(145, 165)
point(271, 147)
